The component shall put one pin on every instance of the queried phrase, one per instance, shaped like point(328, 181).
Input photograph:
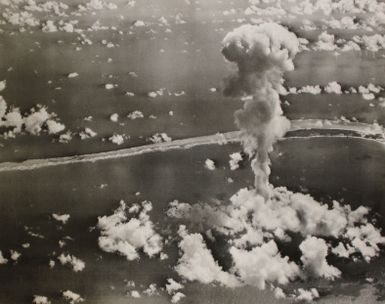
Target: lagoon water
point(349, 170)
point(186, 59)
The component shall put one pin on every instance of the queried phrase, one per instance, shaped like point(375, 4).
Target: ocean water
point(187, 59)
point(349, 170)
point(191, 62)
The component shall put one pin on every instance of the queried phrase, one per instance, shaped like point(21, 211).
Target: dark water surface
point(328, 168)
point(191, 62)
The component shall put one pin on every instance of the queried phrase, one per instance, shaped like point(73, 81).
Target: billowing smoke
point(262, 54)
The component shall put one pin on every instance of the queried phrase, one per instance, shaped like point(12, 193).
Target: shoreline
point(361, 130)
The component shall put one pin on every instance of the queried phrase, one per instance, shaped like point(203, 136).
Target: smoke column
point(262, 54)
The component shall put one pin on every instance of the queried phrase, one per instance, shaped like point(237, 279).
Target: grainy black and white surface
point(125, 74)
